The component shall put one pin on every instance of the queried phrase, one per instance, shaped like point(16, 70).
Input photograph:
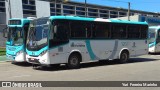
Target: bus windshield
point(15, 35)
point(37, 34)
point(152, 35)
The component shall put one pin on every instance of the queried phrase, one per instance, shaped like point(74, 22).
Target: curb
point(3, 58)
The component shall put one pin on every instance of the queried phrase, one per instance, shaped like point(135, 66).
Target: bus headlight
point(19, 52)
point(44, 52)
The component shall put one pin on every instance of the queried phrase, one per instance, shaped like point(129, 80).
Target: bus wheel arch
point(124, 56)
point(74, 60)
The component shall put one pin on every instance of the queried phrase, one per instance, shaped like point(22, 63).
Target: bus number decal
point(124, 43)
point(134, 44)
point(77, 45)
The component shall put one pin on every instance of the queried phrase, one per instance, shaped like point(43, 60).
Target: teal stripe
point(72, 18)
point(36, 53)
point(126, 21)
point(91, 53)
point(92, 19)
point(152, 44)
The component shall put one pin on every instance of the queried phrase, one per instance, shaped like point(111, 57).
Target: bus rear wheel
point(74, 61)
point(124, 57)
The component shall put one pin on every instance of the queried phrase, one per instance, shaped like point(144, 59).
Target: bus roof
point(19, 19)
point(22, 22)
point(97, 19)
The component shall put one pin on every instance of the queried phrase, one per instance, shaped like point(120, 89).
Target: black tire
point(55, 65)
point(74, 61)
point(13, 62)
point(124, 57)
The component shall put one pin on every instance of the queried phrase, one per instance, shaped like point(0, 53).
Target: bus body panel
point(157, 44)
point(154, 46)
point(157, 48)
point(90, 49)
point(14, 52)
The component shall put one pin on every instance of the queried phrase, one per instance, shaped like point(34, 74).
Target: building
point(152, 21)
point(43, 8)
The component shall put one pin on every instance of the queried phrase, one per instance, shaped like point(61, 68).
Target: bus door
point(158, 41)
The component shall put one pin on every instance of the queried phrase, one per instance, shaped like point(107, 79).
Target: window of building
point(103, 11)
point(2, 6)
point(29, 8)
point(68, 7)
point(80, 8)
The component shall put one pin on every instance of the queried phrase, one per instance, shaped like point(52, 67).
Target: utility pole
point(55, 7)
point(85, 8)
point(10, 11)
point(129, 6)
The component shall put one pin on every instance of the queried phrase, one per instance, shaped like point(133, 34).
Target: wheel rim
point(124, 57)
point(74, 61)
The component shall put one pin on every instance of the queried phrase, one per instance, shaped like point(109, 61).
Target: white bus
point(154, 39)
point(71, 40)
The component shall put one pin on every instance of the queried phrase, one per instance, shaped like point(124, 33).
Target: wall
point(152, 21)
point(3, 18)
point(2, 39)
point(132, 18)
point(16, 8)
point(42, 8)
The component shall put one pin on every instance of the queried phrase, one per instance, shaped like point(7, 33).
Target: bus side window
point(100, 30)
point(88, 30)
point(144, 30)
point(133, 32)
point(59, 33)
point(62, 30)
point(51, 32)
point(78, 29)
point(158, 35)
point(119, 31)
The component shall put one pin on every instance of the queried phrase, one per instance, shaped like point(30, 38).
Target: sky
point(144, 5)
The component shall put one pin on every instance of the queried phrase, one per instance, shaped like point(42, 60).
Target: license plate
point(32, 59)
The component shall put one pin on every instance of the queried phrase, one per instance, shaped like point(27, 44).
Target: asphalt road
point(143, 68)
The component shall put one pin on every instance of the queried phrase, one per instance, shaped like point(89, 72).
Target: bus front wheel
point(74, 61)
point(124, 57)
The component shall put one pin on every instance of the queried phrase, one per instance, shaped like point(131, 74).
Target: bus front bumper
point(38, 60)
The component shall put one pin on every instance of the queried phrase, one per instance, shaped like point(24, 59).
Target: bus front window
point(152, 35)
point(15, 35)
point(37, 35)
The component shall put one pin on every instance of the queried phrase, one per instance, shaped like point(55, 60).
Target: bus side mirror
point(55, 29)
point(5, 34)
